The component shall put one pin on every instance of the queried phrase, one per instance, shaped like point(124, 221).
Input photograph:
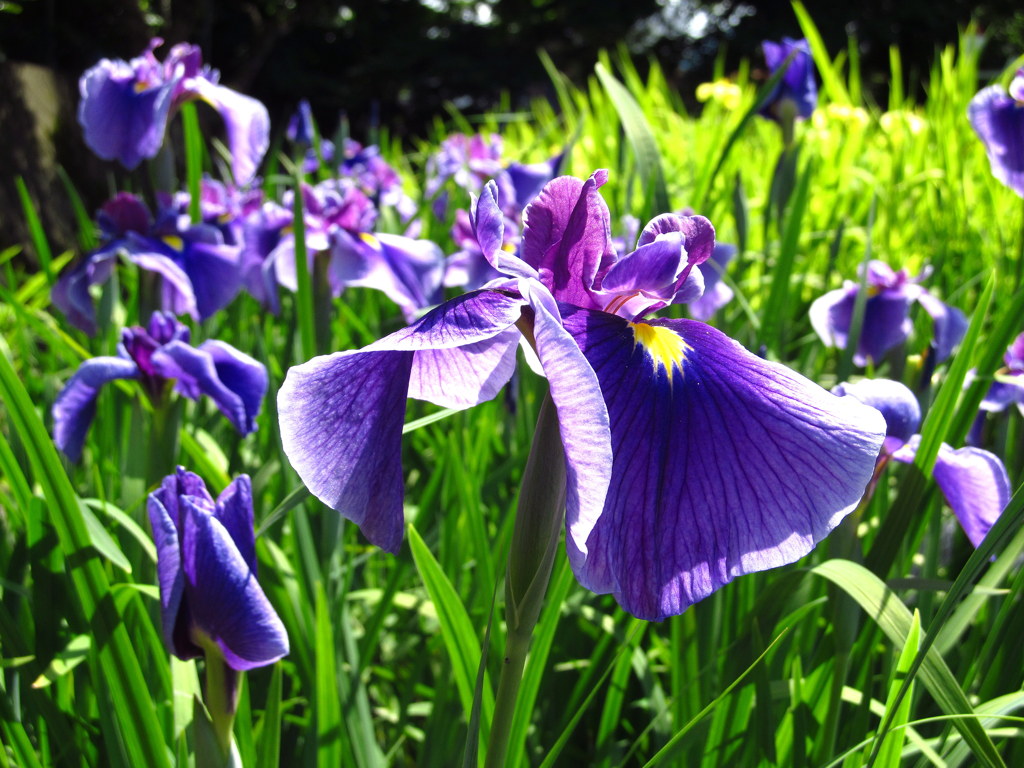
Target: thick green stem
point(221, 696)
point(535, 537)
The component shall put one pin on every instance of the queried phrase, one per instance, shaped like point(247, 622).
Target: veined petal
point(224, 597)
point(893, 399)
point(973, 481)
point(724, 463)
point(488, 223)
point(582, 419)
point(75, 407)
point(341, 415)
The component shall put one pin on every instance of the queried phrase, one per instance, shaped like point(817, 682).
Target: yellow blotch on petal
point(665, 346)
point(174, 241)
point(369, 239)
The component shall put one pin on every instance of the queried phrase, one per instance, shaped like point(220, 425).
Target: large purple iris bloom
point(199, 269)
point(998, 119)
point(797, 86)
point(156, 356)
point(126, 106)
point(886, 315)
point(689, 460)
point(973, 481)
point(206, 566)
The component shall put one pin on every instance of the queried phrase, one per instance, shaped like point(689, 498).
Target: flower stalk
point(535, 538)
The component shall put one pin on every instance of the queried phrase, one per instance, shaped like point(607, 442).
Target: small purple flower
point(206, 566)
point(886, 315)
point(156, 356)
point(973, 481)
point(998, 119)
point(797, 88)
point(199, 269)
point(689, 460)
point(1006, 390)
point(126, 106)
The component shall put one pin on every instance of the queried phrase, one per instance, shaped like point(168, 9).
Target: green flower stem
point(222, 685)
point(535, 539)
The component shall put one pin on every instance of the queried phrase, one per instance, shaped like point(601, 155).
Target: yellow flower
point(727, 93)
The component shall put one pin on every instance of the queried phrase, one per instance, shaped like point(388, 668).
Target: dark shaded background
point(399, 61)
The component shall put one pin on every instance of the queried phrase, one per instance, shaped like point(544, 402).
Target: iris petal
point(341, 415)
point(724, 464)
point(247, 122)
point(973, 481)
point(224, 597)
point(75, 406)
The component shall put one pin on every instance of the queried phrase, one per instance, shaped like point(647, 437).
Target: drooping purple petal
point(528, 179)
point(950, 325)
point(71, 291)
point(215, 273)
point(895, 401)
point(341, 415)
point(724, 463)
point(886, 321)
point(123, 115)
point(973, 481)
point(999, 122)
point(75, 407)
point(224, 597)
point(234, 381)
point(1004, 392)
point(247, 123)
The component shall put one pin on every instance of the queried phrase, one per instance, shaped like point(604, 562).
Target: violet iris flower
point(206, 566)
point(199, 271)
point(973, 481)
point(797, 87)
point(886, 315)
point(998, 119)
point(716, 293)
point(126, 106)
point(1006, 390)
point(689, 460)
point(157, 356)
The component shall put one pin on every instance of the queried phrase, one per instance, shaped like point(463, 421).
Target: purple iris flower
point(199, 270)
point(973, 481)
point(716, 293)
point(689, 460)
point(998, 119)
point(797, 88)
point(1006, 390)
point(206, 566)
point(126, 106)
point(886, 315)
point(156, 356)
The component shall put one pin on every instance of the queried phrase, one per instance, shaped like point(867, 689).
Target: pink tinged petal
point(567, 238)
point(582, 419)
point(75, 407)
point(973, 481)
point(950, 325)
point(341, 415)
point(724, 463)
point(247, 122)
point(224, 597)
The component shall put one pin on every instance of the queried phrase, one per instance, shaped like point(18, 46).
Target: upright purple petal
point(75, 407)
point(224, 597)
point(234, 510)
point(724, 463)
point(716, 293)
point(567, 238)
point(170, 576)
point(973, 481)
point(341, 415)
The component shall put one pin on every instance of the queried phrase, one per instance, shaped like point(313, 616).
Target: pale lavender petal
point(75, 407)
point(488, 223)
point(247, 123)
point(224, 597)
point(582, 419)
point(341, 415)
point(724, 463)
point(973, 481)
